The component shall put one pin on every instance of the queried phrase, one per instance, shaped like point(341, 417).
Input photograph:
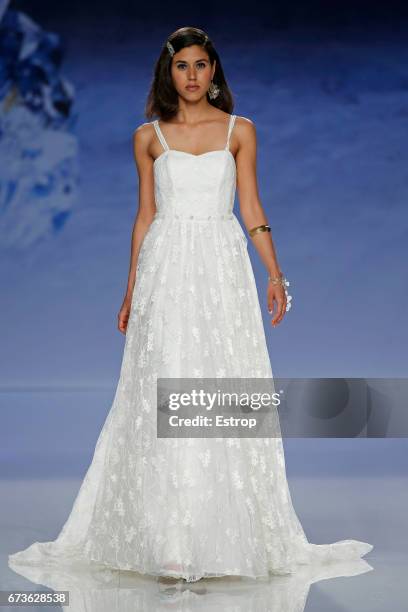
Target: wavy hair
point(162, 99)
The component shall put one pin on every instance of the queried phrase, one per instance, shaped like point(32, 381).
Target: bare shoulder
point(244, 125)
point(142, 139)
point(245, 130)
point(142, 135)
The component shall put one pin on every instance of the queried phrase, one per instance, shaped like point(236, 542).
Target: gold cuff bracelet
point(259, 228)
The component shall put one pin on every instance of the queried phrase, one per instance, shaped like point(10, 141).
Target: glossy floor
point(370, 508)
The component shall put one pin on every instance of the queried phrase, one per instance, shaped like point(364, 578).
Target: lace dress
point(195, 507)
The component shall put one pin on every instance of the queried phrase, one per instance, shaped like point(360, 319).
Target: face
point(192, 72)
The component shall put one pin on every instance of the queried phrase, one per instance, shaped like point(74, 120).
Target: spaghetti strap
point(166, 146)
point(230, 126)
point(160, 135)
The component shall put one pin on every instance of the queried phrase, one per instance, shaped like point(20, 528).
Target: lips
point(192, 87)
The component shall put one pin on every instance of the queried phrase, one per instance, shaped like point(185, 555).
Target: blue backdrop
point(327, 88)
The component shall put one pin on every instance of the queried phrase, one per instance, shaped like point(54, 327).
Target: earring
point(213, 90)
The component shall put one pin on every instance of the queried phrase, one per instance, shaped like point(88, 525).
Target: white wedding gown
point(194, 507)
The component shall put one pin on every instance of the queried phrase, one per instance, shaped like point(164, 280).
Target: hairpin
point(171, 48)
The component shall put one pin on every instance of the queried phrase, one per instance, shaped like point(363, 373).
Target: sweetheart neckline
point(193, 154)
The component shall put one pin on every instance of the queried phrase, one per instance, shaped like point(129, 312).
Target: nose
point(192, 75)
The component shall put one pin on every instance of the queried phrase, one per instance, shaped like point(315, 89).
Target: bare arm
point(146, 209)
point(253, 214)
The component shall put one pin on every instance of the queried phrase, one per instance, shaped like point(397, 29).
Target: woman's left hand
point(276, 295)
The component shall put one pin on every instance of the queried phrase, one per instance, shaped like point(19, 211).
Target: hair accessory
point(172, 51)
point(170, 48)
point(259, 228)
point(281, 280)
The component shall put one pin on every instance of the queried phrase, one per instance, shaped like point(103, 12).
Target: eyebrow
point(203, 59)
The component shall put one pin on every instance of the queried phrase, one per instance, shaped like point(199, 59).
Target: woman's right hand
point(123, 316)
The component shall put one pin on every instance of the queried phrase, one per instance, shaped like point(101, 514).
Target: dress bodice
point(194, 186)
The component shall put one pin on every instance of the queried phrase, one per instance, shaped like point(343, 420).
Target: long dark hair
point(162, 100)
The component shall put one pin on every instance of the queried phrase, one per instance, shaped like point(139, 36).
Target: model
point(194, 507)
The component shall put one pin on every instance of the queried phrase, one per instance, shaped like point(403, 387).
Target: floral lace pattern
point(211, 507)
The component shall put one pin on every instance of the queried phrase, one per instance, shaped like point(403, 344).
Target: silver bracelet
point(281, 280)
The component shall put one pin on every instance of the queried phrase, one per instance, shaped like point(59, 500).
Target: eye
point(200, 65)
